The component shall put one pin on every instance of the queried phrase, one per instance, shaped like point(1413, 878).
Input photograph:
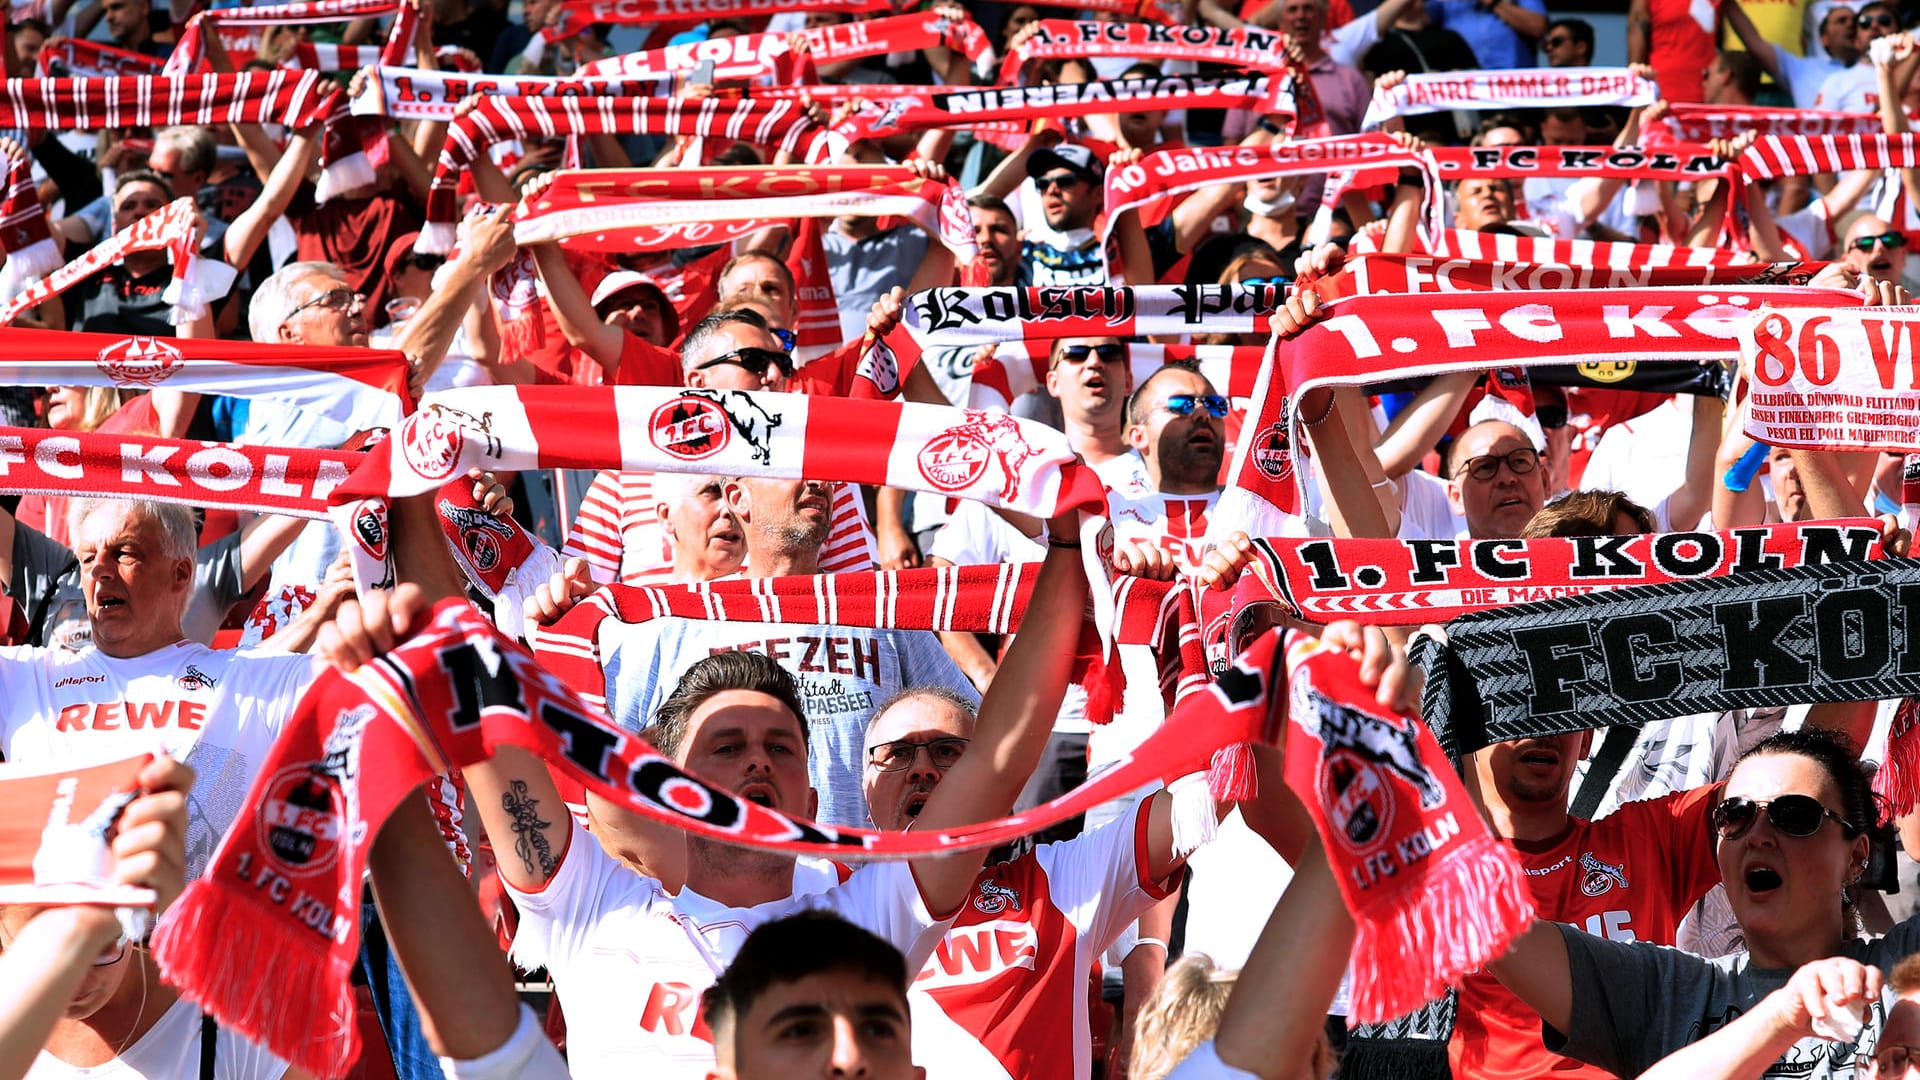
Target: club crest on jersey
point(195, 679)
point(1273, 452)
point(1597, 878)
point(140, 361)
point(995, 898)
point(958, 458)
point(1360, 756)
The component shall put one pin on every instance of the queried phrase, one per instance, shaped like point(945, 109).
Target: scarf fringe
point(1897, 781)
point(1194, 816)
point(275, 988)
point(436, 238)
point(196, 286)
point(28, 265)
point(1468, 910)
point(1230, 777)
point(352, 171)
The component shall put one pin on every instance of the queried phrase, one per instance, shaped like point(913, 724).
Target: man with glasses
point(1496, 479)
point(1176, 422)
point(1856, 88)
point(1802, 76)
point(1064, 250)
point(1875, 249)
point(1569, 43)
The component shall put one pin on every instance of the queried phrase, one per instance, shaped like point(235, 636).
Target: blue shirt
point(1496, 44)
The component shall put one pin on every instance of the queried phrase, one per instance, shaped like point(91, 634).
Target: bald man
point(1875, 248)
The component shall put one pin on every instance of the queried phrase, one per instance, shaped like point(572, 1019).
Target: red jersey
point(1631, 876)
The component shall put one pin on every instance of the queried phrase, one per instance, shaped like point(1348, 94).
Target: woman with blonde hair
point(1182, 1012)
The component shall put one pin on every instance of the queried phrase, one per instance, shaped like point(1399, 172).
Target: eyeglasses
point(1063, 181)
point(335, 299)
point(1108, 354)
point(898, 755)
point(1182, 404)
point(1881, 20)
point(1792, 815)
point(1889, 1059)
point(1557, 41)
point(755, 360)
point(1887, 241)
point(1485, 467)
point(114, 953)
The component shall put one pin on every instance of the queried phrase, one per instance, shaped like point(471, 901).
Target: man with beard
point(1875, 249)
point(1177, 424)
point(630, 959)
point(1064, 250)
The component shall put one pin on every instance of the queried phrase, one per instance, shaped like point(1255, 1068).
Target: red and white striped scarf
point(1691, 123)
point(92, 60)
point(747, 56)
point(30, 251)
point(409, 93)
point(295, 99)
point(1515, 88)
point(919, 108)
point(577, 15)
point(1833, 379)
point(189, 54)
point(1057, 39)
point(650, 209)
point(1381, 275)
point(1673, 161)
point(1514, 248)
point(778, 124)
point(278, 480)
point(1774, 156)
point(196, 284)
point(317, 56)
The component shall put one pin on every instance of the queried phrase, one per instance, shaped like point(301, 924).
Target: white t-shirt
point(1645, 458)
point(1806, 75)
point(218, 711)
point(170, 1050)
point(1010, 977)
point(1853, 89)
point(1425, 512)
point(1205, 1064)
point(630, 962)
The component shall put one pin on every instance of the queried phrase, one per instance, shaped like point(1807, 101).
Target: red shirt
point(1631, 876)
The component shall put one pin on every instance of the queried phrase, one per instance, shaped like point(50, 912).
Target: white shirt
point(170, 1050)
point(630, 962)
point(218, 711)
point(1852, 89)
point(1645, 458)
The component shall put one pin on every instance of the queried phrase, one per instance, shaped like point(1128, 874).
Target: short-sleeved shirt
point(864, 269)
point(629, 962)
point(1805, 75)
point(171, 1048)
point(114, 301)
point(1631, 876)
point(218, 711)
point(1634, 1003)
point(354, 234)
point(1495, 43)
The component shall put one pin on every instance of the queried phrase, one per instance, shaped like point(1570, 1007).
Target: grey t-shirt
point(1635, 1003)
point(863, 269)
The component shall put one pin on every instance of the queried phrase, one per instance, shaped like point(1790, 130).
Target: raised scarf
point(747, 56)
point(286, 880)
point(985, 316)
point(276, 480)
point(1402, 274)
point(189, 53)
point(295, 99)
point(317, 56)
point(1841, 631)
point(776, 124)
point(24, 236)
point(55, 821)
point(1247, 47)
point(1695, 123)
point(1517, 88)
point(90, 60)
point(197, 282)
point(664, 209)
point(1410, 582)
point(1844, 379)
point(1679, 162)
point(1510, 247)
point(1773, 156)
point(1433, 894)
point(410, 93)
point(576, 15)
point(931, 107)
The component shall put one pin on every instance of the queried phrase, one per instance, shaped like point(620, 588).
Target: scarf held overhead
point(189, 52)
point(576, 15)
point(984, 316)
point(932, 107)
point(747, 56)
point(1380, 275)
point(1247, 47)
point(296, 99)
point(1832, 379)
point(1518, 88)
point(197, 282)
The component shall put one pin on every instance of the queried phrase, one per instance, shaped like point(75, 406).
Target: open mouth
point(915, 803)
point(758, 793)
point(1761, 879)
point(1543, 757)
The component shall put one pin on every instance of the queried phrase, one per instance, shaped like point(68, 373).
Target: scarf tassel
point(1897, 781)
point(195, 287)
point(1409, 951)
point(28, 265)
point(279, 989)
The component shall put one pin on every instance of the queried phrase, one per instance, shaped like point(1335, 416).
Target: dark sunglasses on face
point(1108, 354)
point(1063, 181)
point(1888, 241)
point(1881, 20)
point(755, 360)
point(1557, 40)
point(422, 261)
point(1182, 404)
point(1790, 815)
point(786, 339)
point(1485, 467)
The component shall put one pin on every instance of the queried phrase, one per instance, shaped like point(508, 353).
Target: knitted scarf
point(1057, 39)
point(1433, 894)
point(410, 93)
point(748, 56)
point(1832, 379)
point(928, 107)
point(90, 60)
point(196, 283)
point(1674, 161)
point(1518, 88)
point(317, 56)
point(1693, 123)
point(1383, 275)
point(54, 832)
point(286, 880)
point(250, 97)
point(261, 478)
point(1774, 156)
point(1840, 631)
point(1410, 582)
point(189, 53)
point(780, 124)
point(656, 209)
point(30, 251)
point(984, 316)
point(1508, 247)
point(577, 15)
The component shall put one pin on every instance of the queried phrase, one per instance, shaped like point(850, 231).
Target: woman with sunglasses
point(1791, 833)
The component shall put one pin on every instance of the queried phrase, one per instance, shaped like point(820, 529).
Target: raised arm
point(1752, 38)
point(427, 336)
point(249, 230)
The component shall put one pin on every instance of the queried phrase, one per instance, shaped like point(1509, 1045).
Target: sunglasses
point(1063, 181)
point(787, 339)
point(1881, 20)
point(1182, 404)
point(1485, 467)
point(335, 299)
point(1887, 241)
point(898, 755)
point(422, 261)
point(1790, 815)
point(755, 360)
point(1108, 354)
point(1557, 40)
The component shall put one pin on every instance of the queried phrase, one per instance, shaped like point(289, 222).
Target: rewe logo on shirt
point(673, 1008)
point(132, 716)
point(974, 954)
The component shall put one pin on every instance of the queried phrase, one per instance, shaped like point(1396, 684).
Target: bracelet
point(1064, 545)
point(1332, 403)
point(1137, 942)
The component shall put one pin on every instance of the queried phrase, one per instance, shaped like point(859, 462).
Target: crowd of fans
point(570, 935)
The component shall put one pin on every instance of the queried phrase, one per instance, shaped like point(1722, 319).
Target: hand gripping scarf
point(747, 56)
point(1832, 379)
point(1371, 339)
point(91, 60)
point(196, 284)
point(54, 824)
point(577, 15)
point(1058, 39)
point(780, 124)
point(1433, 894)
point(24, 236)
point(1517, 88)
point(189, 54)
point(1679, 162)
point(1381, 275)
point(286, 880)
point(659, 209)
point(919, 108)
point(1773, 156)
point(1410, 582)
point(1691, 123)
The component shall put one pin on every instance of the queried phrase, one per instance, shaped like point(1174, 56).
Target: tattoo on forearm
point(529, 842)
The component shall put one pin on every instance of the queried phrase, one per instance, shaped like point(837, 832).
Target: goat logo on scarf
point(890, 114)
point(1598, 877)
point(140, 361)
point(1273, 452)
point(1360, 755)
point(957, 458)
point(433, 438)
point(480, 533)
point(995, 898)
point(370, 527)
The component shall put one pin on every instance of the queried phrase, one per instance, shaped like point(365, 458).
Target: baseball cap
point(1065, 156)
point(622, 280)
